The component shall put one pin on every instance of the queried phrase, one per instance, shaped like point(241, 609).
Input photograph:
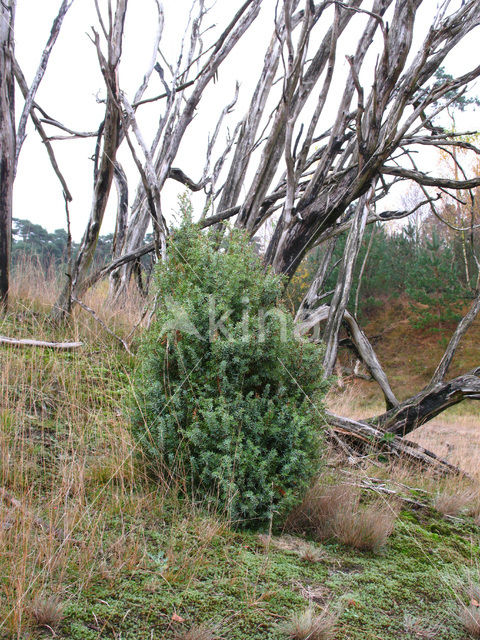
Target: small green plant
point(227, 397)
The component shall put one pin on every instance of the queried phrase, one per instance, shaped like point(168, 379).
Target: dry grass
point(311, 625)
point(67, 457)
point(305, 550)
point(311, 554)
point(367, 528)
point(470, 618)
point(34, 288)
point(318, 511)
point(451, 495)
point(336, 511)
point(470, 612)
point(47, 611)
point(454, 435)
point(453, 502)
point(199, 632)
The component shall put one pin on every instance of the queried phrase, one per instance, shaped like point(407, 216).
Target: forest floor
point(93, 546)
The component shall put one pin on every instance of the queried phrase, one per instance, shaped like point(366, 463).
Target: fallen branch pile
point(354, 436)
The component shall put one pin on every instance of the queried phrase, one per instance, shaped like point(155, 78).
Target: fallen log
point(21, 342)
point(427, 404)
point(364, 436)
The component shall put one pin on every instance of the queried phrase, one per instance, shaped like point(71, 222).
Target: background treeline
point(50, 250)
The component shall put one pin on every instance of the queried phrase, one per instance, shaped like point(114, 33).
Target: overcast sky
point(73, 82)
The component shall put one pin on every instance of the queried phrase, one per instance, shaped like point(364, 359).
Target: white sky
point(73, 80)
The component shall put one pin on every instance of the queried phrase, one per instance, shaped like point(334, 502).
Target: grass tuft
point(365, 528)
point(452, 502)
point(310, 625)
point(199, 632)
point(47, 611)
point(336, 511)
point(470, 619)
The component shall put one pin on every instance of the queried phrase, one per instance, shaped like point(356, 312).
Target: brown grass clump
point(470, 618)
point(47, 612)
point(199, 632)
point(310, 625)
point(474, 507)
point(336, 511)
point(367, 528)
point(451, 502)
point(318, 511)
point(311, 554)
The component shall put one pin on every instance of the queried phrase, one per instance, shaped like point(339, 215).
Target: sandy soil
point(458, 440)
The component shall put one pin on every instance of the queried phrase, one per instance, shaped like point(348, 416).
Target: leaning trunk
point(111, 133)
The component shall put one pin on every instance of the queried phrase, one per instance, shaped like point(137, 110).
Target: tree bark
point(7, 141)
point(361, 343)
point(104, 176)
point(341, 295)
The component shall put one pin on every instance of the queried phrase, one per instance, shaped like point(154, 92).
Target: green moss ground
point(247, 590)
point(146, 565)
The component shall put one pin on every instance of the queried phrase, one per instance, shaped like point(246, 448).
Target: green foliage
point(452, 97)
point(33, 240)
point(226, 395)
point(423, 267)
point(433, 283)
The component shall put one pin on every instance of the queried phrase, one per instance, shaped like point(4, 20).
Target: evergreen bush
point(234, 406)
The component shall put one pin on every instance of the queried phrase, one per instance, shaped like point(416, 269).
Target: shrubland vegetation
point(226, 394)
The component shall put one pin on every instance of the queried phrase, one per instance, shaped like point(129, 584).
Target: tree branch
point(57, 24)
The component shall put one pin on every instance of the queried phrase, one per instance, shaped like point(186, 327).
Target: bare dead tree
point(174, 121)
point(320, 182)
point(42, 67)
point(105, 166)
point(7, 140)
point(11, 141)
